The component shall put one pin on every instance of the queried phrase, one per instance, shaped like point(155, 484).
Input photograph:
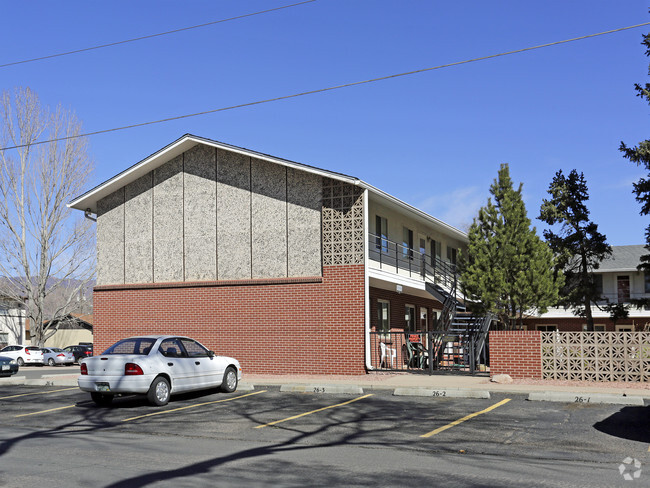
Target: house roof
point(623, 258)
point(88, 201)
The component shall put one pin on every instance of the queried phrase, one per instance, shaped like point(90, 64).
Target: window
point(598, 284)
point(383, 316)
point(597, 327)
point(409, 317)
point(194, 349)
point(646, 279)
point(546, 328)
point(381, 230)
point(407, 243)
point(623, 288)
point(171, 348)
point(624, 328)
point(452, 254)
point(4, 337)
point(436, 251)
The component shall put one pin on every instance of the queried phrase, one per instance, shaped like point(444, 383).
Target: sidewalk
point(393, 381)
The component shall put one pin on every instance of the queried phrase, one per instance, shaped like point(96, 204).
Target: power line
point(153, 35)
point(337, 87)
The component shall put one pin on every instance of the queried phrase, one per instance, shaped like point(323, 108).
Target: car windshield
point(138, 345)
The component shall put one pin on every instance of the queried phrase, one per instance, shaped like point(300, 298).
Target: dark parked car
point(79, 352)
point(8, 366)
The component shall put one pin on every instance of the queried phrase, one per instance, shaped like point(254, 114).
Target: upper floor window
point(407, 243)
point(646, 279)
point(436, 251)
point(598, 284)
point(381, 230)
point(452, 254)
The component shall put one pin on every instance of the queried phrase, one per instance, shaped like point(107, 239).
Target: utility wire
point(337, 87)
point(117, 43)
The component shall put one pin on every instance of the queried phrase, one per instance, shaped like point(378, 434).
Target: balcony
point(402, 260)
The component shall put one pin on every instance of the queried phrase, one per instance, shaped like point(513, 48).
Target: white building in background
point(12, 322)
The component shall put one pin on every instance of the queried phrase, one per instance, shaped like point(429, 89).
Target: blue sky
point(434, 140)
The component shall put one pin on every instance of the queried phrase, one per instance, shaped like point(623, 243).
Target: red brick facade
point(516, 353)
point(398, 302)
point(305, 325)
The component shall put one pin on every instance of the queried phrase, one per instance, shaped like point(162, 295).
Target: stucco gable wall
point(211, 214)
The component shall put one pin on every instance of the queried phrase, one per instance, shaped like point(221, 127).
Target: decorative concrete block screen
point(596, 356)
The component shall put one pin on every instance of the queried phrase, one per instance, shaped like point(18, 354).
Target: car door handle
point(197, 362)
point(170, 364)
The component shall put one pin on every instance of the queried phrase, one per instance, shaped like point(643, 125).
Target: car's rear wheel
point(20, 361)
point(50, 362)
point(101, 399)
point(159, 392)
point(229, 383)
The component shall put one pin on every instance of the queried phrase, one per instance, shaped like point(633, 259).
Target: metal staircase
point(455, 322)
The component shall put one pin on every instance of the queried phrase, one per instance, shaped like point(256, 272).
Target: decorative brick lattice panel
point(342, 223)
point(596, 356)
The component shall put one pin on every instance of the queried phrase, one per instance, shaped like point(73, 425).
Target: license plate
point(5, 367)
point(103, 387)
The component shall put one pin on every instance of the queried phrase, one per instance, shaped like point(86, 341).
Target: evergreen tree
point(578, 246)
point(507, 269)
point(640, 155)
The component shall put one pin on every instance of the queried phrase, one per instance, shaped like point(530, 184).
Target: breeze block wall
point(517, 353)
point(275, 326)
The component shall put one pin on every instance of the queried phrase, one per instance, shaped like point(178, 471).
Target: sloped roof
point(623, 258)
point(88, 201)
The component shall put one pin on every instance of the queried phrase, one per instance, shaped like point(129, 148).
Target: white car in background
point(158, 366)
point(24, 354)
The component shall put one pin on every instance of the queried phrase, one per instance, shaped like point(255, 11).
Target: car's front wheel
point(101, 399)
point(159, 392)
point(229, 383)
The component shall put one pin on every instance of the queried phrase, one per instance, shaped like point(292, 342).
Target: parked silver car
point(156, 366)
point(24, 354)
point(53, 356)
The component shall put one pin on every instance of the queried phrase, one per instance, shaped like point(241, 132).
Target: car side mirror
point(210, 354)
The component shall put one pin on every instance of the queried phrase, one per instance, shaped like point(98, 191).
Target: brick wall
point(276, 326)
point(516, 353)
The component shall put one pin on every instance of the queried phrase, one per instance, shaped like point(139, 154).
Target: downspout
point(366, 281)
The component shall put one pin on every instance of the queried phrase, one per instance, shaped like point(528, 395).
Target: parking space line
point(45, 411)
point(193, 406)
point(38, 393)
point(315, 411)
point(467, 417)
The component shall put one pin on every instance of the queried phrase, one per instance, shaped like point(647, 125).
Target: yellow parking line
point(38, 393)
point(467, 417)
point(315, 411)
point(44, 411)
point(193, 406)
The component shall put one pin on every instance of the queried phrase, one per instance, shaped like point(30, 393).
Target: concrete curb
point(442, 392)
point(568, 397)
point(346, 389)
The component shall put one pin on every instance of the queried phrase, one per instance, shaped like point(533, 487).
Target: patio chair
point(387, 353)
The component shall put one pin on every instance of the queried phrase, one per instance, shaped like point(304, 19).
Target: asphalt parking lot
point(417, 439)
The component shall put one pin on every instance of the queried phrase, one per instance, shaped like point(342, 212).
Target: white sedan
point(157, 366)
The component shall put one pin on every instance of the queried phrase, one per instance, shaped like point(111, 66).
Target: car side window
point(171, 348)
point(194, 349)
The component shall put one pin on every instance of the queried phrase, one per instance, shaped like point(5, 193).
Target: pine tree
point(578, 246)
point(507, 269)
point(640, 155)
